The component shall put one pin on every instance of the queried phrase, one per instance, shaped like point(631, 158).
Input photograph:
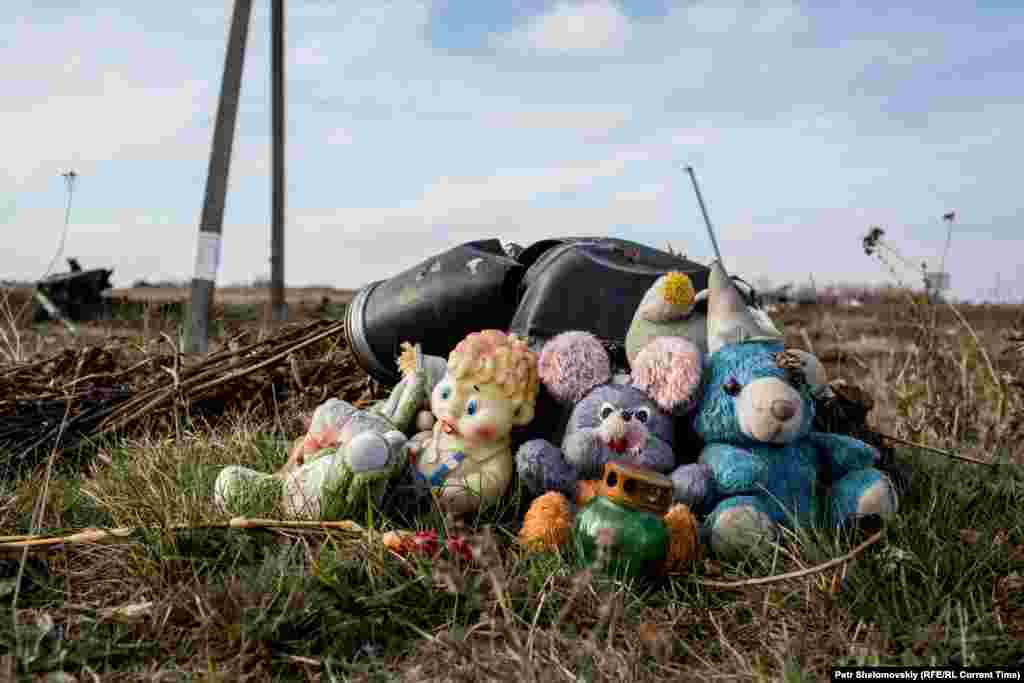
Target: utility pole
point(212, 219)
point(278, 307)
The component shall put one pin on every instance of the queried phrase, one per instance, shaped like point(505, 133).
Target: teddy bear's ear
point(812, 371)
point(573, 363)
point(669, 370)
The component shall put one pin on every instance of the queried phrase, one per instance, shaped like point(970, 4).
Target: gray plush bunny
point(614, 417)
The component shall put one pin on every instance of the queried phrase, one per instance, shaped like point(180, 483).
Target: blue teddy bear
point(762, 466)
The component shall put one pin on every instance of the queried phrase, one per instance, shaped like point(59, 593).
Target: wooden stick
point(965, 458)
point(21, 367)
point(99, 536)
point(112, 375)
point(209, 366)
point(257, 523)
point(848, 557)
point(195, 384)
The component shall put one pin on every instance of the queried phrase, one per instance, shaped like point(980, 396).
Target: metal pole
point(707, 221)
point(949, 218)
point(212, 218)
point(278, 308)
point(69, 179)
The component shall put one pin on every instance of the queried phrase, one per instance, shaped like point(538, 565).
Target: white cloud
point(446, 199)
point(308, 54)
point(778, 17)
point(698, 136)
point(585, 123)
point(75, 99)
point(704, 17)
point(646, 195)
point(317, 11)
point(587, 26)
point(119, 119)
point(339, 136)
point(250, 156)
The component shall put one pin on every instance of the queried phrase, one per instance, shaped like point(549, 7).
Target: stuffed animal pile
point(727, 374)
point(750, 400)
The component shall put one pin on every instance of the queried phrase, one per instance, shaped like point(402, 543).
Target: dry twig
point(776, 578)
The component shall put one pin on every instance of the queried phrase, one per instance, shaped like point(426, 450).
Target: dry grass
point(942, 587)
point(140, 315)
point(931, 380)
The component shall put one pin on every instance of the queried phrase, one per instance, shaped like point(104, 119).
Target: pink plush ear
point(669, 370)
point(573, 363)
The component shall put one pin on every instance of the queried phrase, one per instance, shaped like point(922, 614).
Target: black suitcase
point(555, 285)
point(435, 303)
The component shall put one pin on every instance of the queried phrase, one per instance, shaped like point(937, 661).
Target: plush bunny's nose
point(783, 410)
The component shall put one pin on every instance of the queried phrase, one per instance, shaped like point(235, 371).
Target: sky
point(414, 126)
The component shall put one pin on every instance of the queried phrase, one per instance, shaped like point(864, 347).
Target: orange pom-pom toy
point(548, 523)
point(683, 544)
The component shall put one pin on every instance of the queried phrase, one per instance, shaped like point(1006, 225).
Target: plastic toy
point(490, 387)
point(347, 454)
point(627, 517)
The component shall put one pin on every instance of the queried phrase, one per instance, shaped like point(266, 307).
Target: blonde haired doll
point(491, 386)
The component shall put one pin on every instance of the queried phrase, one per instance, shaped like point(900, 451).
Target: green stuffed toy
point(347, 455)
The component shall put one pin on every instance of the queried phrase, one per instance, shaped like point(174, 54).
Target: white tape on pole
point(207, 256)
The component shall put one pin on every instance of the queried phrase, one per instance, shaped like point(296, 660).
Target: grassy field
point(944, 586)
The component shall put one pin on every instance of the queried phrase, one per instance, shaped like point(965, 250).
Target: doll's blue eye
point(445, 393)
point(471, 407)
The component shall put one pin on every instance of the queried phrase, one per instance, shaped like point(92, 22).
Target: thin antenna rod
point(707, 221)
point(69, 178)
point(949, 218)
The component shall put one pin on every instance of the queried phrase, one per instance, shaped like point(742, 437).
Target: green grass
point(943, 587)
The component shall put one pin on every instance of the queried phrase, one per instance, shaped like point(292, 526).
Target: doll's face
point(475, 412)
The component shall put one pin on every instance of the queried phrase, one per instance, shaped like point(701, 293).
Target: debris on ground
point(76, 295)
point(84, 393)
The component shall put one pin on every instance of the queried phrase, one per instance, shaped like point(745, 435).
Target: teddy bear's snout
point(783, 409)
point(769, 410)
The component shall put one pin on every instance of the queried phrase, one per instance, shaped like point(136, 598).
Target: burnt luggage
point(435, 303)
point(573, 283)
point(592, 284)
